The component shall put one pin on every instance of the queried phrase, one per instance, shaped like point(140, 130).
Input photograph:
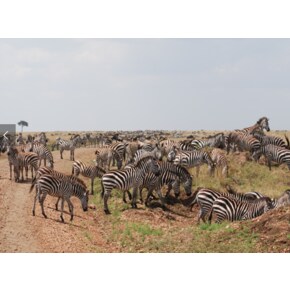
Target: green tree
point(22, 124)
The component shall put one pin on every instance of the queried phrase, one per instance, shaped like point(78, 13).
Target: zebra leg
point(92, 185)
point(56, 205)
point(34, 204)
point(106, 197)
point(71, 209)
point(62, 206)
point(161, 198)
point(41, 200)
point(134, 197)
point(61, 151)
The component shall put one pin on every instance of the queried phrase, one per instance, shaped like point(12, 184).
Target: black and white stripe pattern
point(243, 142)
point(228, 208)
point(21, 161)
point(261, 124)
point(274, 140)
point(125, 179)
point(68, 145)
point(193, 159)
point(273, 153)
point(217, 141)
point(42, 151)
point(105, 155)
point(61, 188)
point(219, 159)
point(90, 171)
point(205, 198)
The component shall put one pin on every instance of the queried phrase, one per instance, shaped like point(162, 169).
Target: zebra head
point(85, 200)
point(264, 123)
point(172, 154)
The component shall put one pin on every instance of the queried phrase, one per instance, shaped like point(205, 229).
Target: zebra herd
point(152, 163)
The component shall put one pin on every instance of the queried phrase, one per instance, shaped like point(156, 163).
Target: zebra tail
point(32, 184)
point(288, 143)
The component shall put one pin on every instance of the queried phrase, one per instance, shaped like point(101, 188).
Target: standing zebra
point(261, 124)
point(43, 153)
point(20, 161)
point(68, 145)
point(192, 159)
point(105, 155)
point(228, 208)
point(243, 142)
point(273, 153)
point(274, 140)
point(125, 179)
point(220, 162)
point(61, 188)
point(89, 171)
point(217, 141)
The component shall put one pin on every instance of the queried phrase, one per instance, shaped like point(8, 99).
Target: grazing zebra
point(61, 188)
point(228, 208)
point(20, 161)
point(217, 141)
point(243, 142)
point(192, 159)
point(68, 145)
point(105, 155)
point(274, 140)
point(125, 179)
point(89, 171)
point(205, 198)
point(47, 170)
point(43, 153)
point(120, 149)
point(171, 176)
point(273, 153)
point(262, 124)
point(220, 162)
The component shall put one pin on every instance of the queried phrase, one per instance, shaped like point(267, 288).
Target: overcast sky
point(131, 84)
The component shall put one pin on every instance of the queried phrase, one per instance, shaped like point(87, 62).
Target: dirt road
point(22, 232)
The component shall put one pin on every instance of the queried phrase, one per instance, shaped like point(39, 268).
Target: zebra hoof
point(33, 213)
point(107, 211)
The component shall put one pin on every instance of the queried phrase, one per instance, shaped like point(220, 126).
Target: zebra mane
point(144, 160)
point(213, 136)
point(261, 119)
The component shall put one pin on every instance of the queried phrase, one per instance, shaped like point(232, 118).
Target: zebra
point(205, 198)
point(68, 145)
point(171, 179)
point(125, 179)
point(47, 170)
point(283, 200)
point(274, 140)
point(61, 188)
point(41, 138)
point(105, 155)
point(220, 162)
point(42, 151)
point(120, 149)
point(20, 161)
point(217, 141)
point(141, 153)
point(20, 140)
point(261, 124)
point(243, 142)
point(131, 149)
point(228, 208)
point(192, 159)
point(273, 153)
point(89, 171)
